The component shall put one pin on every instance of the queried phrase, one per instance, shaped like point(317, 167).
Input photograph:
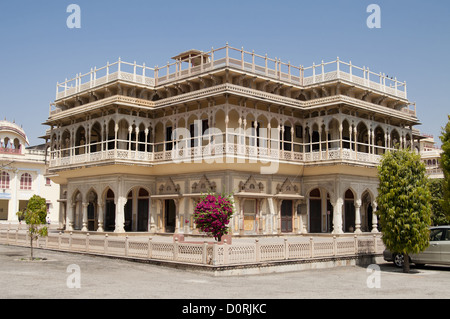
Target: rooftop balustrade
point(239, 59)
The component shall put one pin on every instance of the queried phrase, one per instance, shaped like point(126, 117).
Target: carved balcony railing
point(219, 148)
point(238, 59)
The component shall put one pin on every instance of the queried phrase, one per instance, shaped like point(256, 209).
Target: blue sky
point(38, 49)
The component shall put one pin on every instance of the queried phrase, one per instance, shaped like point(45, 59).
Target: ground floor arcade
point(264, 204)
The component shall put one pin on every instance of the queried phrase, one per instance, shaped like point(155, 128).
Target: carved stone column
point(374, 218)
point(100, 216)
point(85, 216)
point(70, 216)
point(120, 215)
point(358, 216)
point(337, 216)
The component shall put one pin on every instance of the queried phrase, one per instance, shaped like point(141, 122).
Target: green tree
point(403, 200)
point(437, 192)
point(445, 164)
point(34, 216)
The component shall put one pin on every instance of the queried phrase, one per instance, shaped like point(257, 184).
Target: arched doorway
point(110, 211)
point(77, 217)
point(92, 211)
point(169, 215)
point(395, 139)
point(329, 214)
point(379, 141)
point(128, 211)
point(80, 141)
point(362, 138)
point(95, 138)
point(349, 209)
point(366, 212)
point(315, 211)
point(143, 207)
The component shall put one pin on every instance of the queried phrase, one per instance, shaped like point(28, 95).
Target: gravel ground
point(105, 278)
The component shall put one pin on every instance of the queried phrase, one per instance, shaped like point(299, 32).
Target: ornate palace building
point(22, 175)
point(431, 156)
point(133, 147)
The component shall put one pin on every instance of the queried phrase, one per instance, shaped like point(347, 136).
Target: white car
point(437, 253)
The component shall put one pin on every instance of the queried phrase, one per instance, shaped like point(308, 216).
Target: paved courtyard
point(101, 277)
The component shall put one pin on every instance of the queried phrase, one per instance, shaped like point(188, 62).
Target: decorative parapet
point(238, 59)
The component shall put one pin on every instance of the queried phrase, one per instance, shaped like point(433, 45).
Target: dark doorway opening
point(110, 212)
point(170, 215)
point(286, 216)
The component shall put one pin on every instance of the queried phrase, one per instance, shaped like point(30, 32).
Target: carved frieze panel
point(169, 188)
point(251, 186)
point(203, 186)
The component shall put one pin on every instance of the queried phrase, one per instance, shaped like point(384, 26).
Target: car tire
point(398, 260)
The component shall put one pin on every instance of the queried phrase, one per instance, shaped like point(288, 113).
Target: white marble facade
point(134, 147)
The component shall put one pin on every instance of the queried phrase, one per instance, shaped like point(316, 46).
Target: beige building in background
point(22, 175)
point(431, 156)
point(133, 147)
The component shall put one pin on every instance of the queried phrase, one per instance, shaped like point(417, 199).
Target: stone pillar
point(303, 218)
point(100, 216)
point(85, 216)
point(358, 216)
point(374, 218)
point(134, 211)
point(177, 215)
point(70, 215)
point(62, 214)
point(337, 216)
point(241, 216)
point(120, 214)
point(152, 215)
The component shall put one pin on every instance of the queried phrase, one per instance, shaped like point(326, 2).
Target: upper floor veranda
point(251, 107)
point(228, 130)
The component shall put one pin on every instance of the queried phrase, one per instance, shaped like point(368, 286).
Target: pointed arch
point(349, 210)
point(367, 199)
point(123, 134)
point(333, 132)
point(380, 141)
point(109, 198)
point(95, 137)
point(395, 139)
point(92, 209)
point(80, 140)
point(362, 138)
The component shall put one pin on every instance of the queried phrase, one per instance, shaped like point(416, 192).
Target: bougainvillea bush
point(212, 214)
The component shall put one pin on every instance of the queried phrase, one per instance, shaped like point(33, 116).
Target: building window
point(48, 181)
point(25, 181)
point(4, 180)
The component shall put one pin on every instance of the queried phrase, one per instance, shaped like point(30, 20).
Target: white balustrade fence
point(235, 58)
point(204, 253)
